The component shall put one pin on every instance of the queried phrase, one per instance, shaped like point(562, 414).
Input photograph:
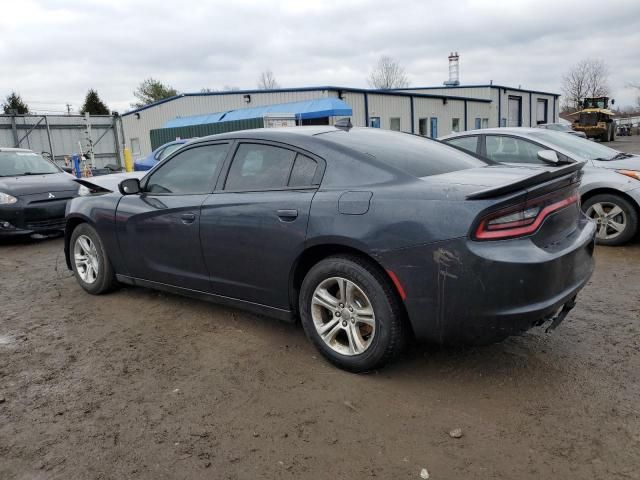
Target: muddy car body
point(386, 234)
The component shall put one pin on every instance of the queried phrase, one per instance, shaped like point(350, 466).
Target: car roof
point(10, 149)
point(500, 130)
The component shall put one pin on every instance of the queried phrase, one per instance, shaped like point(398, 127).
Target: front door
point(515, 111)
point(254, 226)
point(434, 127)
point(159, 229)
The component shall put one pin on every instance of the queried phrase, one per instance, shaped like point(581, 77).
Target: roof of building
point(491, 85)
point(310, 89)
point(303, 110)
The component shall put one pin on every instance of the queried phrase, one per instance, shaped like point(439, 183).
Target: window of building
point(374, 122)
point(423, 127)
point(394, 124)
point(135, 146)
point(455, 124)
point(189, 172)
point(485, 123)
point(478, 123)
point(259, 167)
point(304, 169)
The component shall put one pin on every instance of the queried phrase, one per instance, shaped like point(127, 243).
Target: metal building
point(429, 111)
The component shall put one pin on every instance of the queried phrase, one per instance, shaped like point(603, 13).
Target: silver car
point(610, 190)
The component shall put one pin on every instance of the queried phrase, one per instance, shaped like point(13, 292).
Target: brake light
point(522, 219)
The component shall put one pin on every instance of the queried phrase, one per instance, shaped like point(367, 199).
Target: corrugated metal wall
point(156, 116)
point(472, 92)
point(66, 132)
point(160, 136)
point(390, 106)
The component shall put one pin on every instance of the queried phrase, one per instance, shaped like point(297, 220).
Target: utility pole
point(87, 132)
point(68, 109)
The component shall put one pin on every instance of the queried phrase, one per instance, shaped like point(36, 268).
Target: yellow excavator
point(595, 119)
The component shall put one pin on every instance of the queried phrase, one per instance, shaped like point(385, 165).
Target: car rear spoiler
point(542, 177)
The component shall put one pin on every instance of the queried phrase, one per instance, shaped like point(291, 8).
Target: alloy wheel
point(86, 259)
point(343, 316)
point(610, 219)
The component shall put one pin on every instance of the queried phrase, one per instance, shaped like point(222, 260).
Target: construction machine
point(595, 119)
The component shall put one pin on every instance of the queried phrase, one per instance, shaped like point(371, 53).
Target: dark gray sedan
point(610, 189)
point(367, 236)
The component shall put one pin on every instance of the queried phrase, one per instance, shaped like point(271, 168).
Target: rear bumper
point(469, 292)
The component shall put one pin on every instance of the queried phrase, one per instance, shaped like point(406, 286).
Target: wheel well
point(610, 191)
point(69, 227)
point(315, 254)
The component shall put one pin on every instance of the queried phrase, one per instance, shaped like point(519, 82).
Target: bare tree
point(388, 73)
point(230, 88)
point(587, 78)
point(267, 81)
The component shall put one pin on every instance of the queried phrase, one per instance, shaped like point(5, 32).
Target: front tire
point(616, 218)
point(351, 313)
point(89, 262)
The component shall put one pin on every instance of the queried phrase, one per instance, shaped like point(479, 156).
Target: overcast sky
point(52, 51)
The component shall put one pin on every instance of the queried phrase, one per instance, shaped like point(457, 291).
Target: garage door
point(515, 116)
point(541, 116)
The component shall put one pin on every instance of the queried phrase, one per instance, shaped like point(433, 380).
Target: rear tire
point(351, 313)
point(89, 262)
point(616, 218)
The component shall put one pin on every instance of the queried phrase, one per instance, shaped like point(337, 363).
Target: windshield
point(169, 150)
point(578, 146)
point(15, 164)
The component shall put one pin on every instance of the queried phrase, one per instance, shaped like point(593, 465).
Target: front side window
point(259, 167)
point(512, 150)
point(470, 144)
point(580, 147)
point(189, 172)
point(394, 124)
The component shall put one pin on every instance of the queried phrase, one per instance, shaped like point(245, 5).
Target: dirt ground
point(141, 384)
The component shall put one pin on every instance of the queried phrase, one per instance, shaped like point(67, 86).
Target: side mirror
point(130, 186)
point(548, 156)
point(613, 102)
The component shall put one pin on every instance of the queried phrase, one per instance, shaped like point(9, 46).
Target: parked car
point(560, 127)
point(150, 161)
point(33, 193)
point(366, 235)
point(610, 189)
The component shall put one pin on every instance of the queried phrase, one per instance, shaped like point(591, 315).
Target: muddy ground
point(141, 384)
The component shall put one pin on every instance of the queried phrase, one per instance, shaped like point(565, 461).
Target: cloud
point(66, 47)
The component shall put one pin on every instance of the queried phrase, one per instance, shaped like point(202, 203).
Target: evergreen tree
point(14, 102)
point(93, 105)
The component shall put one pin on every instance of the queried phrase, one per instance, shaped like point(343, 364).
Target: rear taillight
point(523, 219)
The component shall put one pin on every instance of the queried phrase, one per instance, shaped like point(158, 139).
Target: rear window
point(412, 154)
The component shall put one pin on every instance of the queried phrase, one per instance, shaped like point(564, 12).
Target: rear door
point(254, 226)
point(159, 229)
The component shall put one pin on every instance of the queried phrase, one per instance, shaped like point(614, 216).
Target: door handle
point(288, 215)
point(188, 218)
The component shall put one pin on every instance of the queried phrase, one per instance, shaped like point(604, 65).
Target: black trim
point(465, 116)
point(499, 108)
point(413, 120)
point(531, 113)
point(281, 314)
point(366, 110)
point(481, 86)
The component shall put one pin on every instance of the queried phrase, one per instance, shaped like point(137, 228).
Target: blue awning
point(305, 110)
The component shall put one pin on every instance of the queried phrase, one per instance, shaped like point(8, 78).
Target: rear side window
point(512, 150)
point(413, 154)
point(259, 167)
point(189, 172)
point(470, 144)
point(304, 170)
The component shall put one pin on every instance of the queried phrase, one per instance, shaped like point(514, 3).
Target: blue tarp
point(305, 110)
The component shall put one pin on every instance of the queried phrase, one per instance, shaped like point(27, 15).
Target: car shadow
point(30, 239)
